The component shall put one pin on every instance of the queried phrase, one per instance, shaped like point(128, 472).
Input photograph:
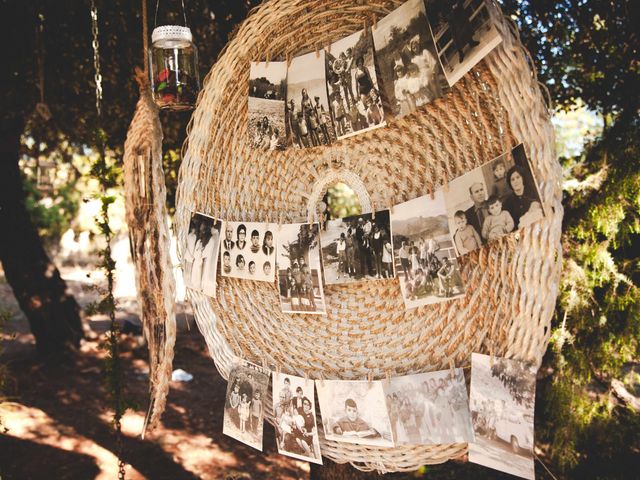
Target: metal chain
point(96, 57)
point(114, 329)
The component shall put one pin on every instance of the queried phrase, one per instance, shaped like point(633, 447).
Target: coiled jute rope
point(511, 284)
point(147, 219)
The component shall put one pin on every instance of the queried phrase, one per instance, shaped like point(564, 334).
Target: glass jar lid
point(171, 36)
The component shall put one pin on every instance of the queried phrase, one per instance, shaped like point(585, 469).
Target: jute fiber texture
point(147, 219)
point(367, 333)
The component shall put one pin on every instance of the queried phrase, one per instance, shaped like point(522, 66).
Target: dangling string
point(184, 14)
point(145, 38)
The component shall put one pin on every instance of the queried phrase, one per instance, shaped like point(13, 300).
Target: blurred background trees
point(586, 55)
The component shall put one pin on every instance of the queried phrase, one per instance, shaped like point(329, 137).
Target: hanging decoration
point(510, 282)
point(173, 60)
point(149, 233)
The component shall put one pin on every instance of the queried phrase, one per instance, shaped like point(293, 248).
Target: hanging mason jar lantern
point(173, 61)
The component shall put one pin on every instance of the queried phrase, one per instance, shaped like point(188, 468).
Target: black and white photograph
point(492, 200)
point(267, 97)
point(429, 408)
point(244, 403)
point(354, 412)
point(502, 402)
point(299, 268)
point(357, 248)
point(308, 115)
point(424, 255)
point(248, 250)
point(410, 73)
point(464, 34)
point(295, 417)
point(354, 95)
point(200, 256)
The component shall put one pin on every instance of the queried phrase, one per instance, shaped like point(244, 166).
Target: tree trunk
point(53, 313)
point(339, 471)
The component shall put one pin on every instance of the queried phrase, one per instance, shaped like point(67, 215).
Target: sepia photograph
point(354, 412)
point(244, 403)
point(354, 95)
point(308, 115)
point(267, 97)
point(429, 408)
point(464, 33)
point(248, 250)
point(493, 200)
point(295, 417)
point(200, 256)
point(299, 269)
point(357, 248)
point(502, 402)
point(424, 255)
point(410, 73)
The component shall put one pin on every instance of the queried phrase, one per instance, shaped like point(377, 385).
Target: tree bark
point(339, 471)
point(53, 313)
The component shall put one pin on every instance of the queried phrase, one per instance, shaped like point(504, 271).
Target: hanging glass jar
point(173, 61)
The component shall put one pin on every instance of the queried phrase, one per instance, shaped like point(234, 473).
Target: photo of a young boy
point(354, 412)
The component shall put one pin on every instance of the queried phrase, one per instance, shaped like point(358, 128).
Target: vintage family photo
point(299, 268)
point(248, 250)
point(354, 412)
point(244, 403)
point(410, 72)
point(354, 95)
point(295, 416)
point(357, 248)
point(267, 97)
point(493, 200)
point(309, 120)
point(425, 259)
point(464, 34)
point(200, 257)
point(502, 404)
point(429, 408)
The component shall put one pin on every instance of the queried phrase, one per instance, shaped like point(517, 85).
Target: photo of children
point(464, 34)
point(352, 85)
point(354, 412)
point(248, 251)
point(267, 96)
point(410, 73)
point(357, 248)
point(429, 408)
point(493, 200)
point(299, 269)
point(308, 115)
point(425, 257)
point(295, 417)
point(502, 400)
point(200, 255)
point(244, 407)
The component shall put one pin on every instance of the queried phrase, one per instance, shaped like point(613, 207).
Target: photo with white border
point(354, 411)
point(502, 403)
point(429, 408)
point(200, 255)
point(295, 416)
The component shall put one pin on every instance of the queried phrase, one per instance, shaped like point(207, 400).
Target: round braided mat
point(367, 333)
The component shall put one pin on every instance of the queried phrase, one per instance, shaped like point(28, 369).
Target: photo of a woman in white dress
point(200, 256)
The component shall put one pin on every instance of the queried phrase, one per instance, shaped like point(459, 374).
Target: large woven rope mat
point(367, 333)
point(146, 206)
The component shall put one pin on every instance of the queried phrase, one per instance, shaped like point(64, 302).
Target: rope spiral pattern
point(512, 284)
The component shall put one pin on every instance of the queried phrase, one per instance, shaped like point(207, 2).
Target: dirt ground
point(59, 426)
